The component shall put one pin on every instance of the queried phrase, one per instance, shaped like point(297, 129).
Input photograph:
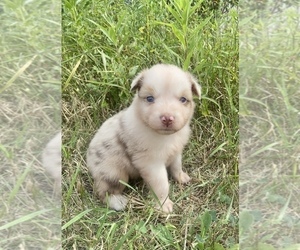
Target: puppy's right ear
point(137, 82)
point(196, 88)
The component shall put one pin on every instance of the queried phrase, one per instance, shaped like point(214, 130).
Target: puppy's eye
point(150, 98)
point(183, 100)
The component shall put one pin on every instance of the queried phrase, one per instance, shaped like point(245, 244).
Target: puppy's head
point(164, 99)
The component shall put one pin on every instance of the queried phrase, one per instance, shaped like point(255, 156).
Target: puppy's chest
point(146, 147)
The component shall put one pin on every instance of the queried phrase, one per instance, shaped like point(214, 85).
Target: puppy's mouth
point(166, 131)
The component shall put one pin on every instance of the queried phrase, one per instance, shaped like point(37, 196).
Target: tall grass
point(29, 117)
point(269, 123)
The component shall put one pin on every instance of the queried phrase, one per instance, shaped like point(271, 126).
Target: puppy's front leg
point(156, 177)
point(176, 170)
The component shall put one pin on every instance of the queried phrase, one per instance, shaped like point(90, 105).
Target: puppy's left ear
point(196, 88)
point(137, 81)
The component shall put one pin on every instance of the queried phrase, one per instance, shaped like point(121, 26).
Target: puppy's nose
point(167, 120)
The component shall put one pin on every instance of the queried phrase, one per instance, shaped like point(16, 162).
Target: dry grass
point(269, 131)
point(209, 190)
point(29, 117)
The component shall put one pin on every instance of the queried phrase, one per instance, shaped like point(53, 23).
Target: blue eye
point(150, 98)
point(183, 99)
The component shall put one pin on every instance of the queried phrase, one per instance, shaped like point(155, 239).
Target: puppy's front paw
point(166, 207)
point(184, 178)
point(117, 202)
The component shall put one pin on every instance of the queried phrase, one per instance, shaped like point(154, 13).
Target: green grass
point(105, 44)
point(269, 129)
point(29, 117)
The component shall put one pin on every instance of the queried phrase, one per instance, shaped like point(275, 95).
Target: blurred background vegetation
point(269, 124)
point(30, 95)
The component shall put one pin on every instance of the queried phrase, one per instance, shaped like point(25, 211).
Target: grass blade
point(24, 219)
point(17, 74)
point(76, 218)
point(18, 184)
point(263, 149)
point(72, 73)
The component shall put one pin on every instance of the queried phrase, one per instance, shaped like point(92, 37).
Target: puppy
point(146, 139)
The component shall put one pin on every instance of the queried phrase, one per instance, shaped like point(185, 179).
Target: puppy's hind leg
point(110, 192)
point(117, 202)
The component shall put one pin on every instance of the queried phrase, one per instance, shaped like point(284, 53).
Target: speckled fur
point(146, 139)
